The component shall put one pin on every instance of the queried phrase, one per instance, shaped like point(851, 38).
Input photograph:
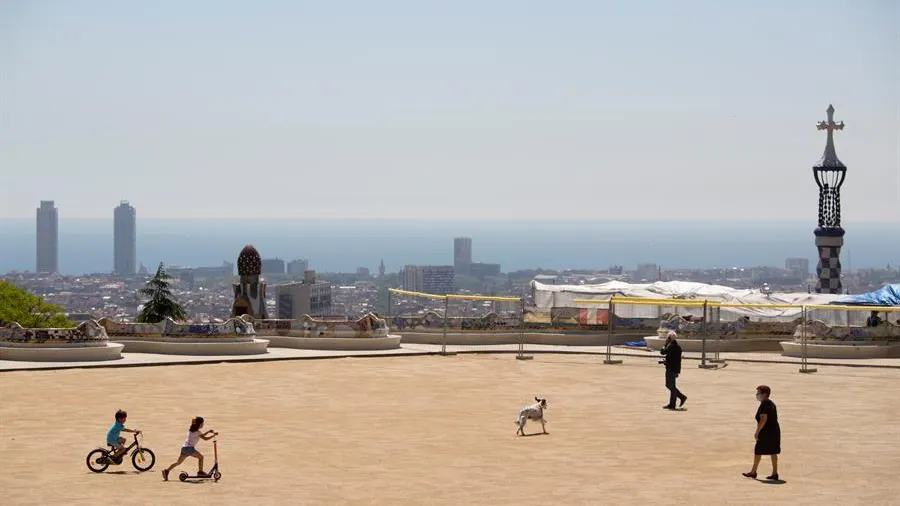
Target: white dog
point(534, 412)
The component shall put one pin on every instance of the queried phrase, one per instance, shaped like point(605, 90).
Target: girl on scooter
point(188, 448)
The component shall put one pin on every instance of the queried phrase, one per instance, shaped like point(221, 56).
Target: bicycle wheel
point(96, 461)
point(143, 459)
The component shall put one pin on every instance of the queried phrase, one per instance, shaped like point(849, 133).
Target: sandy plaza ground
point(440, 430)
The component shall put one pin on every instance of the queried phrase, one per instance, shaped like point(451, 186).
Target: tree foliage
point(29, 310)
point(161, 303)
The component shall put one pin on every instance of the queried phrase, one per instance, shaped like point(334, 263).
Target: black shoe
point(774, 477)
point(749, 475)
point(682, 401)
point(669, 406)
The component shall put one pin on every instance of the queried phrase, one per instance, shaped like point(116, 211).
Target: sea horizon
point(340, 245)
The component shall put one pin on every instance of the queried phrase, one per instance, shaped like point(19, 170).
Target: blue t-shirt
point(112, 437)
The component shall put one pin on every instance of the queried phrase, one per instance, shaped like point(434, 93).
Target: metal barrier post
point(390, 303)
point(804, 367)
point(609, 331)
point(521, 353)
point(705, 332)
point(446, 323)
point(715, 355)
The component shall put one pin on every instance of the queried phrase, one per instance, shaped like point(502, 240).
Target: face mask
point(759, 397)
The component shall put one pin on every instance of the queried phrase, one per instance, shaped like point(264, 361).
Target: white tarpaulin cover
point(549, 296)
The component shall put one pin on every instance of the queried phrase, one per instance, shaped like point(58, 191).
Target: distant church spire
point(381, 269)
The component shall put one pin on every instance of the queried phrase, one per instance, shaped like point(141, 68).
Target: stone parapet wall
point(170, 328)
point(367, 326)
point(88, 333)
point(818, 329)
point(741, 327)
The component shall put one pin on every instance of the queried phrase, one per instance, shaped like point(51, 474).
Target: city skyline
point(84, 247)
point(638, 111)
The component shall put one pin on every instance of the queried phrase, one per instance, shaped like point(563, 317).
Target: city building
point(124, 240)
point(462, 255)
point(298, 266)
point(436, 279)
point(439, 279)
point(47, 238)
point(226, 270)
point(307, 297)
point(190, 274)
point(362, 272)
point(483, 270)
point(272, 266)
point(411, 278)
point(797, 267)
point(647, 273)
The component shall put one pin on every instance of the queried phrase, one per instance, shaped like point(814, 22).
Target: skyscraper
point(124, 239)
point(47, 238)
point(462, 255)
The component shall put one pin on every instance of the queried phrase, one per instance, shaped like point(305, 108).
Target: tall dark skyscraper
point(462, 255)
point(124, 240)
point(47, 238)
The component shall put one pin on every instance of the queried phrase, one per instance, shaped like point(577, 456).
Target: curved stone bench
point(721, 345)
point(55, 353)
point(86, 342)
point(841, 350)
point(475, 338)
point(204, 346)
point(233, 337)
point(389, 342)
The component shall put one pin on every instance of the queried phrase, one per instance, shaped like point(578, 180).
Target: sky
point(463, 110)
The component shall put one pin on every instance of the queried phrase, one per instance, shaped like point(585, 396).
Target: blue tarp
point(889, 295)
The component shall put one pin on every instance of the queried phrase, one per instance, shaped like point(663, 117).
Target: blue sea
point(86, 246)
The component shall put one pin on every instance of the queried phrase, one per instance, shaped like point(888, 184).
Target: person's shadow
point(771, 482)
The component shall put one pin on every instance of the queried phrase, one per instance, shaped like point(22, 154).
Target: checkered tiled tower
point(829, 174)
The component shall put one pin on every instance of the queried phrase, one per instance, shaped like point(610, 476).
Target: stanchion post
point(704, 332)
point(716, 359)
point(446, 324)
point(804, 367)
point(521, 354)
point(610, 312)
point(390, 303)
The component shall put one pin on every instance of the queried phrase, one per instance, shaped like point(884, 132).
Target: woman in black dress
point(768, 432)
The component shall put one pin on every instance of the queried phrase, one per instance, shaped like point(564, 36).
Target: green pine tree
point(161, 303)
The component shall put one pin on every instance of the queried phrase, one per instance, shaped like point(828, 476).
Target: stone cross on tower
point(829, 174)
point(829, 158)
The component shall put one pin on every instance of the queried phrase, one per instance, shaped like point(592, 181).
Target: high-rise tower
point(462, 255)
point(829, 174)
point(47, 238)
point(124, 239)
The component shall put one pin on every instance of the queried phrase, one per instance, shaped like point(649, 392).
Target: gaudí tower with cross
point(829, 174)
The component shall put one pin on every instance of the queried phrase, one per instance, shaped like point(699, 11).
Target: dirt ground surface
point(440, 430)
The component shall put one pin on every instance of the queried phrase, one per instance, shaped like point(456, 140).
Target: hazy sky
point(447, 110)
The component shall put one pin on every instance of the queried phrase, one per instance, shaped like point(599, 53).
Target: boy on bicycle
point(113, 438)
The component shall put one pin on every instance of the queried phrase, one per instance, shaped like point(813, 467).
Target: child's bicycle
point(101, 458)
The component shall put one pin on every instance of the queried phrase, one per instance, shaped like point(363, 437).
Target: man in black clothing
point(873, 320)
point(672, 353)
